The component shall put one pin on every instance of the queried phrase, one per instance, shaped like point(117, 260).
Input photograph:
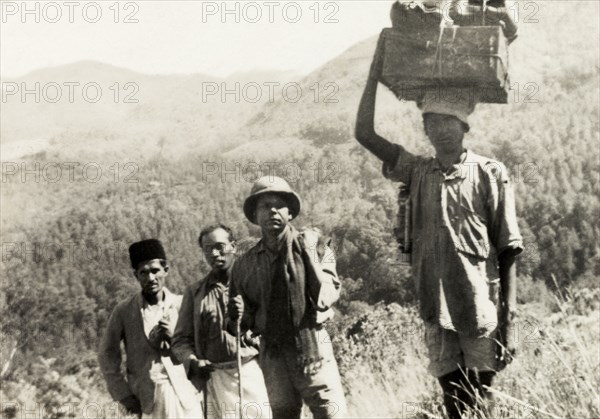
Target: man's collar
point(261, 246)
point(166, 301)
point(169, 297)
point(457, 170)
point(212, 279)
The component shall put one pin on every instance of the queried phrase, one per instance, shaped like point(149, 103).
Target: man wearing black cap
point(287, 284)
point(465, 240)
point(155, 387)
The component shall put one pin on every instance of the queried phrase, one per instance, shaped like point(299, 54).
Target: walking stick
point(239, 361)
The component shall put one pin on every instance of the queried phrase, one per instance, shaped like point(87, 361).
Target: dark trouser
point(287, 386)
point(465, 389)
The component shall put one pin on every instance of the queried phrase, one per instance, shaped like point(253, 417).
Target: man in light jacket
point(155, 386)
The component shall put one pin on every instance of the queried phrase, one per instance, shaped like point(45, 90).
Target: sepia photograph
point(305, 209)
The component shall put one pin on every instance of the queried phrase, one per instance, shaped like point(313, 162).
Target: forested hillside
point(65, 265)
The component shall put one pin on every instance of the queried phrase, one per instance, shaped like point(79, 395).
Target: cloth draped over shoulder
point(288, 295)
point(291, 317)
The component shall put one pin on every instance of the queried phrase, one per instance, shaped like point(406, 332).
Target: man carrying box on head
point(155, 386)
point(284, 288)
point(464, 236)
point(204, 345)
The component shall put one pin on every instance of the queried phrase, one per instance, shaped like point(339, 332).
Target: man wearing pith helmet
point(283, 289)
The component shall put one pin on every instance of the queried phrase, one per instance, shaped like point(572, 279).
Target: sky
point(184, 37)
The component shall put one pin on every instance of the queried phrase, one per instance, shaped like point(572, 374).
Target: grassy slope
point(554, 376)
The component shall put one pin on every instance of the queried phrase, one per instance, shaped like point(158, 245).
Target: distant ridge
point(176, 111)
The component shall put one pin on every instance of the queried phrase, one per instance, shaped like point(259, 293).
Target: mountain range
point(182, 114)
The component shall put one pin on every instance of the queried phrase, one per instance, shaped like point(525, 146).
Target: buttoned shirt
point(252, 274)
point(462, 219)
point(151, 315)
point(201, 328)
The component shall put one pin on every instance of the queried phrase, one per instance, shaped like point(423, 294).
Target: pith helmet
point(275, 185)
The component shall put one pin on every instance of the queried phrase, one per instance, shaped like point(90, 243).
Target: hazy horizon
point(225, 76)
point(240, 37)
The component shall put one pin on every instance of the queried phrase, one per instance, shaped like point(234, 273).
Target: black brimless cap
point(146, 250)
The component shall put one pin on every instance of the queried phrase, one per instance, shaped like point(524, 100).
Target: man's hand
point(312, 368)
point(167, 327)
point(155, 337)
point(201, 368)
point(507, 348)
point(251, 340)
point(235, 308)
point(131, 404)
point(161, 334)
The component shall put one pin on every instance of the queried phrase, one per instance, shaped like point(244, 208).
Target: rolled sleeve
point(504, 232)
point(402, 170)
